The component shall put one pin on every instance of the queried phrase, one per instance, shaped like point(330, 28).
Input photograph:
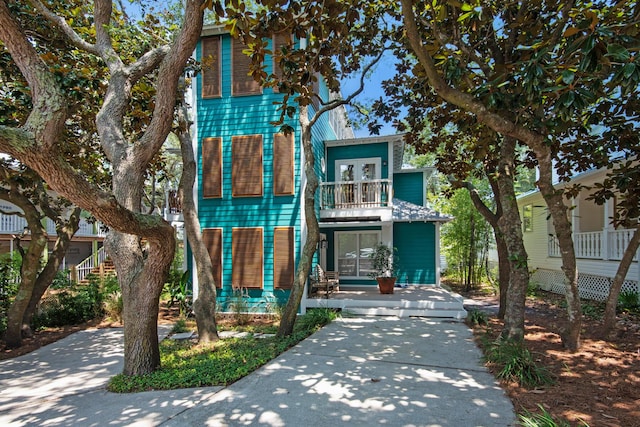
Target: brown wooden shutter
point(242, 82)
point(212, 238)
point(316, 90)
point(247, 257)
point(283, 164)
point(283, 247)
point(246, 165)
point(279, 40)
point(211, 61)
point(212, 167)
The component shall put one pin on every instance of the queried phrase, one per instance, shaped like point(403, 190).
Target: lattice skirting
point(589, 286)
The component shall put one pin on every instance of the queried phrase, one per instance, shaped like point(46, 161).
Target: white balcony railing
point(13, 224)
point(355, 194)
point(606, 244)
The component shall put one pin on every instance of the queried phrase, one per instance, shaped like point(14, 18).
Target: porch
point(607, 245)
point(417, 301)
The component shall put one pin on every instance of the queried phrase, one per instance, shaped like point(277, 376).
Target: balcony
point(13, 224)
point(603, 245)
point(356, 199)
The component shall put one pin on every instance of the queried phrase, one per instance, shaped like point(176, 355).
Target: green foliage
point(384, 262)
point(465, 240)
point(477, 318)
point(62, 280)
point(179, 289)
point(628, 300)
point(113, 305)
point(71, 306)
point(9, 282)
point(185, 364)
point(543, 419)
point(180, 326)
point(240, 308)
point(515, 363)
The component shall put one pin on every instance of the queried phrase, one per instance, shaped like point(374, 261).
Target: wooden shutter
point(242, 82)
point(212, 167)
point(283, 268)
point(247, 256)
point(316, 90)
point(246, 166)
point(212, 238)
point(279, 40)
point(283, 164)
point(211, 67)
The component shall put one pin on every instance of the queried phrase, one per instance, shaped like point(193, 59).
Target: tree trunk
point(205, 304)
point(28, 277)
point(511, 230)
point(609, 320)
point(492, 218)
point(504, 272)
point(141, 270)
point(558, 210)
point(48, 273)
point(470, 256)
point(289, 315)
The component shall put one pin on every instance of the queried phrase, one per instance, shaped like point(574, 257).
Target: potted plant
point(383, 265)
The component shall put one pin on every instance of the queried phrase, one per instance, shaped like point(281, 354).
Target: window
point(242, 82)
point(353, 249)
point(212, 167)
point(246, 254)
point(246, 166)
point(212, 238)
point(354, 189)
point(283, 268)
point(211, 67)
point(283, 179)
point(527, 217)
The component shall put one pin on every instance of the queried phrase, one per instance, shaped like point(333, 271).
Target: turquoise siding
point(416, 247)
point(379, 149)
point(409, 187)
point(230, 116)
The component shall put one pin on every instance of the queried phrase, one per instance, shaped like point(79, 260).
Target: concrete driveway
point(356, 371)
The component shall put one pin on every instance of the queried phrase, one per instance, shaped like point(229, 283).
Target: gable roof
point(404, 211)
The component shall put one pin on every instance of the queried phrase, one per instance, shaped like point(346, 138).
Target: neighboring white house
point(599, 246)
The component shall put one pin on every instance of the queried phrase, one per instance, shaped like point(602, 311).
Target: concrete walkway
point(355, 371)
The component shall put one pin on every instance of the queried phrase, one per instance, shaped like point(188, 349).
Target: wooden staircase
point(106, 268)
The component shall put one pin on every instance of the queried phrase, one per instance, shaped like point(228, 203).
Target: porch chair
point(326, 281)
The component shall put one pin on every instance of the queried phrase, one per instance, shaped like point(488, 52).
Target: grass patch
point(187, 364)
point(543, 419)
point(513, 362)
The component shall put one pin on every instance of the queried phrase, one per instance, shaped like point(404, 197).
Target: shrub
point(71, 306)
point(113, 306)
point(9, 282)
point(515, 363)
point(477, 318)
point(315, 319)
point(628, 300)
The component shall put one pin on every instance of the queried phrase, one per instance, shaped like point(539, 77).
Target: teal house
point(251, 183)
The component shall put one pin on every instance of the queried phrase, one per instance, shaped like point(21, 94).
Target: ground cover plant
point(189, 364)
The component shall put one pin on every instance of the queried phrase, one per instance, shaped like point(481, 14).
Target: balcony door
point(359, 181)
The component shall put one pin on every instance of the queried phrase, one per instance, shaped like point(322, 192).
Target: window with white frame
point(353, 249)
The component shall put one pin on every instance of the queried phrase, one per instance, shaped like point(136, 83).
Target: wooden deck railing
point(355, 194)
point(605, 245)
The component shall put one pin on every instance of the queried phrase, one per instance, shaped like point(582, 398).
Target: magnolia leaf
point(567, 77)
point(618, 52)
point(571, 31)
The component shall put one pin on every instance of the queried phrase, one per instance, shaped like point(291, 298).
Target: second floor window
point(242, 82)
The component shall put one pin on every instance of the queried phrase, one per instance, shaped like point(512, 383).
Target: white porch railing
point(13, 224)
point(606, 244)
point(355, 194)
point(94, 260)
